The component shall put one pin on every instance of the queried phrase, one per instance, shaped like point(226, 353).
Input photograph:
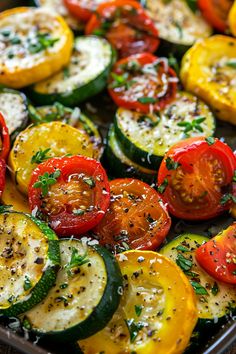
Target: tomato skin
point(2, 175)
point(66, 223)
point(216, 12)
point(218, 256)
point(134, 206)
point(121, 99)
point(80, 12)
point(122, 34)
point(196, 158)
point(5, 138)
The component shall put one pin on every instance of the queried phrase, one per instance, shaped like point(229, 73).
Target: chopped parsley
point(198, 288)
point(41, 42)
point(147, 100)
point(215, 289)
point(227, 198)
point(89, 181)
point(184, 263)
point(182, 248)
point(195, 125)
point(231, 63)
point(76, 260)
point(138, 309)
point(133, 328)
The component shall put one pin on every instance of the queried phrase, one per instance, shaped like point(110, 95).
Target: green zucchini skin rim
point(119, 168)
point(46, 282)
point(103, 312)
point(24, 124)
point(136, 154)
point(78, 95)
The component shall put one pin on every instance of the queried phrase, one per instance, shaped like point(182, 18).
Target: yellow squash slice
point(34, 44)
point(209, 71)
point(157, 313)
point(60, 138)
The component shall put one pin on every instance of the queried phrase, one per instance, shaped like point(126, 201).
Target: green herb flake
point(234, 176)
point(210, 140)
point(215, 289)
point(138, 309)
point(182, 248)
point(78, 212)
point(234, 272)
point(184, 263)
point(147, 100)
point(195, 125)
point(227, 198)
point(42, 42)
point(149, 121)
point(27, 283)
point(171, 164)
point(89, 181)
point(15, 40)
point(192, 4)
point(161, 189)
point(5, 208)
point(198, 288)
point(173, 62)
point(64, 286)
point(179, 28)
point(40, 156)
point(76, 260)
point(133, 328)
point(231, 63)
point(66, 73)
point(47, 180)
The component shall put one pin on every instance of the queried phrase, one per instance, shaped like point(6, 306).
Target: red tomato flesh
point(216, 12)
point(136, 217)
point(126, 25)
point(4, 139)
point(200, 187)
point(79, 198)
point(142, 82)
point(82, 9)
point(218, 256)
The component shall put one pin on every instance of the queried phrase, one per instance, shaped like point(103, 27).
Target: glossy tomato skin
point(82, 183)
point(2, 175)
point(4, 151)
point(136, 217)
point(216, 12)
point(195, 190)
point(81, 9)
point(128, 97)
point(218, 256)
point(126, 25)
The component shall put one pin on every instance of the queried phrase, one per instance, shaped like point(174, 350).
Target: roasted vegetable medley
point(111, 149)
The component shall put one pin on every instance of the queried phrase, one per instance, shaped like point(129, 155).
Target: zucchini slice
point(11, 196)
point(157, 312)
point(85, 76)
point(15, 110)
point(60, 138)
point(71, 116)
point(215, 299)
point(120, 165)
point(60, 8)
point(84, 298)
point(178, 26)
point(145, 138)
point(29, 260)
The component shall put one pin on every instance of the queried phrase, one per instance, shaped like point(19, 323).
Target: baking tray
point(102, 110)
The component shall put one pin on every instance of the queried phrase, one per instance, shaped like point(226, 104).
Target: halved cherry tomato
point(82, 9)
point(4, 139)
point(76, 195)
point(196, 177)
point(136, 217)
point(126, 25)
point(218, 256)
point(142, 82)
point(2, 175)
point(216, 12)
